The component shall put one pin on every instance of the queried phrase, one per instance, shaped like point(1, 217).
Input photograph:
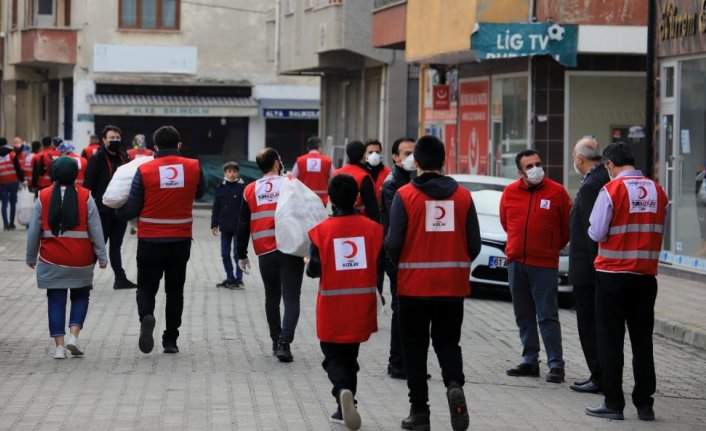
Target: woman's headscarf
point(63, 214)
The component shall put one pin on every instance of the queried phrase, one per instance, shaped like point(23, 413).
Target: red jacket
point(536, 221)
point(7, 168)
point(346, 306)
point(89, 151)
point(314, 170)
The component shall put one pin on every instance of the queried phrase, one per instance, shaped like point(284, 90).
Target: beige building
point(208, 68)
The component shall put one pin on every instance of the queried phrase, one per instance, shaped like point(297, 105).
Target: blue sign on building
point(291, 114)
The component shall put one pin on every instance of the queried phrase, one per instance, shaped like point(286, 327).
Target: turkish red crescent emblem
point(175, 173)
point(443, 213)
point(643, 192)
point(441, 93)
point(354, 249)
point(268, 187)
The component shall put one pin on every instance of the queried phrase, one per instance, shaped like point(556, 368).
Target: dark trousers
point(8, 195)
point(622, 298)
point(585, 296)
point(282, 276)
point(113, 233)
point(396, 356)
point(341, 365)
point(444, 317)
point(229, 243)
point(153, 260)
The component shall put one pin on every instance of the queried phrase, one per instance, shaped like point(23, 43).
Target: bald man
point(582, 253)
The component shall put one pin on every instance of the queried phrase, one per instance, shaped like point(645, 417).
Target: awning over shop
point(172, 106)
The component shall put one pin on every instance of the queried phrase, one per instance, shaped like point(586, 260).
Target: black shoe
point(124, 283)
point(604, 412)
point(556, 375)
point(646, 413)
point(274, 348)
point(146, 341)
point(582, 382)
point(12, 226)
point(283, 353)
point(396, 373)
point(337, 416)
point(587, 388)
point(236, 285)
point(457, 407)
point(351, 417)
point(523, 370)
point(223, 283)
point(170, 347)
point(417, 421)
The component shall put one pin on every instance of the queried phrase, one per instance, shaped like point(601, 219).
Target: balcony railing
point(381, 4)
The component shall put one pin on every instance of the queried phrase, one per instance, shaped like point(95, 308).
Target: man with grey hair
point(582, 253)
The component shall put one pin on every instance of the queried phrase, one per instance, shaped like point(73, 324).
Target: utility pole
point(650, 113)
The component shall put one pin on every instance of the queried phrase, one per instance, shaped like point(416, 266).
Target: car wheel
point(566, 299)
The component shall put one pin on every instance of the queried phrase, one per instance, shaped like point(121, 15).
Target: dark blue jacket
point(226, 206)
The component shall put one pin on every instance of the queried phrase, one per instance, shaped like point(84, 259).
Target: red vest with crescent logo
point(378, 183)
point(262, 196)
point(27, 165)
point(44, 157)
point(434, 259)
point(346, 306)
point(71, 248)
point(134, 153)
point(170, 184)
point(314, 170)
point(7, 169)
point(636, 229)
point(358, 174)
point(90, 150)
point(81, 167)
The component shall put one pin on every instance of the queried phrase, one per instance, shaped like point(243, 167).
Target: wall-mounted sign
point(442, 97)
point(491, 40)
point(675, 25)
point(291, 114)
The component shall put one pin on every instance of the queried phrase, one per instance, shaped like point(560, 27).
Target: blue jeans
point(8, 193)
point(56, 299)
point(229, 239)
point(535, 299)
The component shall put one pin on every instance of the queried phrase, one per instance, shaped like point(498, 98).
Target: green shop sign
point(491, 40)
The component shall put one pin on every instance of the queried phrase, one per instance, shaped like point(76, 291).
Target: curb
point(680, 332)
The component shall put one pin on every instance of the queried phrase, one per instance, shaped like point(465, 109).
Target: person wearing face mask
point(366, 203)
point(375, 167)
point(99, 171)
point(582, 253)
point(11, 175)
point(534, 211)
point(314, 169)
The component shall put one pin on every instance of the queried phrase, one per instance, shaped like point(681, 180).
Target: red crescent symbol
point(441, 94)
point(269, 186)
point(443, 213)
point(354, 249)
point(175, 173)
point(643, 192)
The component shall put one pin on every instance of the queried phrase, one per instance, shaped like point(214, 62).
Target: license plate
point(497, 262)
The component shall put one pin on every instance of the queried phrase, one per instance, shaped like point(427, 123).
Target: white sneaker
point(59, 352)
point(73, 347)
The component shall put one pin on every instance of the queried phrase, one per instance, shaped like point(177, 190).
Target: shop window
point(149, 14)
point(509, 122)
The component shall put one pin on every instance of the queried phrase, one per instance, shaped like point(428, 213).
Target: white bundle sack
point(298, 210)
point(118, 189)
point(25, 206)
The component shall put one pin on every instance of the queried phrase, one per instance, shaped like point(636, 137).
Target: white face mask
point(535, 175)
point(373, 159)
point(408, 164)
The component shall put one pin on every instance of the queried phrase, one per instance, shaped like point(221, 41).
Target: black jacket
point(4, 151)
point(582, 249)
point(226, 206)
point(397, 178)
point(436, 187)
point(99, 171)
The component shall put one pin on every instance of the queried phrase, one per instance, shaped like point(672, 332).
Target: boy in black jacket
point(225, 217)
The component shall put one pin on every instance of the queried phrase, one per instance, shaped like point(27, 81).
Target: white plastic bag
point(298, 210)
point(25, 206)
point(118, 189)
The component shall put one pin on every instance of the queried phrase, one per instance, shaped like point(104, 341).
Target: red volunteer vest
point(346, 306)
point(435, 260)
point(262, 196)
point(358, 174)
point(7, 169)
point(378, 183)
point(71, 248)
point(89, 151)
point(314, 170)
point(45, 157)
point(27, 166)
point(81, 167)
point(134, 153)
point(170, 186)
point(636, 229)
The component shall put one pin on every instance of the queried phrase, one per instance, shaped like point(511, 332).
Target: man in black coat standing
point(582, 253)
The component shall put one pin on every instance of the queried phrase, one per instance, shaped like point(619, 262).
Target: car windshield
point(486, 197)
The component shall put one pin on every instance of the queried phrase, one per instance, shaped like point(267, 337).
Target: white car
point(489, 269)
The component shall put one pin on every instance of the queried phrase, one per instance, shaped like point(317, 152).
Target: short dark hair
point(110, 128)
point(3, 142)
point(166, 137)
point(231, 165)
point(36, 146)
point(313, 143)
point(93, 137)
point(343, 191)
point(524, 153)
point(396, 144)
point(373, 141)
point(46, 141)
point(355, 151)
point(429, 153)
point(619, 154)
point(266, 159)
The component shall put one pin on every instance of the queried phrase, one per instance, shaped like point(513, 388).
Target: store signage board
point(493, 40)
point(291, 114)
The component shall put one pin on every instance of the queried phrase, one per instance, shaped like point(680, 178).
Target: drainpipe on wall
point(277, 32)
point(650, 93)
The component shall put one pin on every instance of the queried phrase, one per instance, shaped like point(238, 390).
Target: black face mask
point(114, 145)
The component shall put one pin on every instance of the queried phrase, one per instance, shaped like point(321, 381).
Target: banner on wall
point(473, 127)
point(442, 98)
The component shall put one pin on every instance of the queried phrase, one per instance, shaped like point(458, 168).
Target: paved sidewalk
point(225, 378)
point(680, 311)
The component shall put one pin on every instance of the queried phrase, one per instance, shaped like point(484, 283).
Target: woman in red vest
point(63, 241)
point(344, 252)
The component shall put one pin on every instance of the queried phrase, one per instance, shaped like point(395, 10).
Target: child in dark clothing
point(225, 217)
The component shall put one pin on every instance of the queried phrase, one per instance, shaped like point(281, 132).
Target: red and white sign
point(350, 253)
point(171, 176)
point(439, 216)
point(473, 131)
point(442, 98)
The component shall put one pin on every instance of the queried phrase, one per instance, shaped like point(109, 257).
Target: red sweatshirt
point(536, 221)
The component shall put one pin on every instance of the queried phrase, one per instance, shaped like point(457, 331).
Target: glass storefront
point(508, 127)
